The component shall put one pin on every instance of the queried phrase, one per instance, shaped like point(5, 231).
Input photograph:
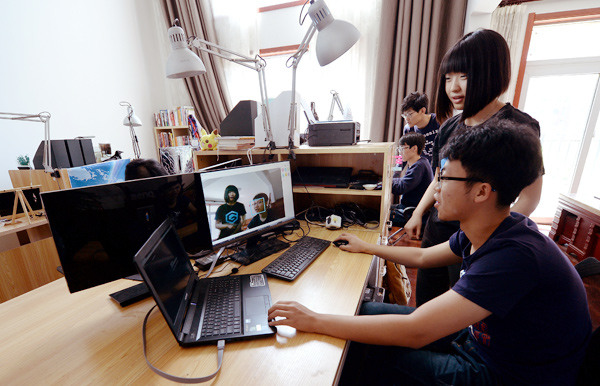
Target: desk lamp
point(44, 117)
point(132, 121)
point(335, 37)
point(183, 63)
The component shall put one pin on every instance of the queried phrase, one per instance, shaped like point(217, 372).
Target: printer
point(333, 133)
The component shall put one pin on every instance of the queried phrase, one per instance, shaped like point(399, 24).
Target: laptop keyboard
point(295, 260)
point(223, 311)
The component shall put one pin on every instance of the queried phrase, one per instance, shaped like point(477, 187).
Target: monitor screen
point(247, 201)
point(98, 230)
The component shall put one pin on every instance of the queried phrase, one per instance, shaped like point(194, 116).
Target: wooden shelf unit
point(176, 131)
point(576, 225)
point(377, 157)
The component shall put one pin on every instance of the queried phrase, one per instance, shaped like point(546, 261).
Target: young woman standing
point(472, 76)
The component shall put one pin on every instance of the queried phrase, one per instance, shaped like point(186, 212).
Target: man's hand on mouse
point(355, 244)
point(292, 314)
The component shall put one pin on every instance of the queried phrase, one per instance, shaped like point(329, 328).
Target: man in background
point(415, 181)
point(414, 111)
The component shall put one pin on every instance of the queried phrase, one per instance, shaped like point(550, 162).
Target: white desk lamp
point(335, 37)
point(44, 117)
point(132, 121)
point(183, 63)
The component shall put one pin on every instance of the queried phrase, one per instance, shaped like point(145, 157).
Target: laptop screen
point(169, 270)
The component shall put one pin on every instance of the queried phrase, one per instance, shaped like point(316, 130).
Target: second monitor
point(247, 201)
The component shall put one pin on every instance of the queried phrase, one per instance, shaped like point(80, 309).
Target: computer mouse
point(337, 243)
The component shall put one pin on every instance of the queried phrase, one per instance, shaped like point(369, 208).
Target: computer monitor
point(7, 201)
point(247, 201)
point(99, 229)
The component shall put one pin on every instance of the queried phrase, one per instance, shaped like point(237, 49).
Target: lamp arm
point(43, 117)
point(335, 99)
point(257, 64)
point(296, 57)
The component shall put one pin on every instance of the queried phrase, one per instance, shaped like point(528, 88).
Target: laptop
point(200, 311)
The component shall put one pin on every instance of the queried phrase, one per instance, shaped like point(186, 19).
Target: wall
point(77, 59)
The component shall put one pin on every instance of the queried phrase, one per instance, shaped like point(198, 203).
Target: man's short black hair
point(133, 172)
point(506, 155)
point(413, 139)
point(231, 188)
point(416, 101)
point(484, 56)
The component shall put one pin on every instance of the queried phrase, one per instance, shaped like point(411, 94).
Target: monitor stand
point(258, 248)
point(131, 294)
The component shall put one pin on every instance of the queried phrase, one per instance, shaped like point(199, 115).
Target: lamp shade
point(335, 37)
point(182, 62)
point(132, 120)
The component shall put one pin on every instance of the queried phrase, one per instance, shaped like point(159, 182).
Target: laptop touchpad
point(256, 305)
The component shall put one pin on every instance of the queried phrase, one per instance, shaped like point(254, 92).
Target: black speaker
point(59, 157)
point(87, 149)
point(66, 153)
point(240, 121)
point(75, 154)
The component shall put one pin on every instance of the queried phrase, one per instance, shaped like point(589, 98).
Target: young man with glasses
point(517, 315)
point(414, 112)
point(415, 181)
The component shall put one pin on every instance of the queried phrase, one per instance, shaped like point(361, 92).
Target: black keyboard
point(223, 312)
point(294, 261)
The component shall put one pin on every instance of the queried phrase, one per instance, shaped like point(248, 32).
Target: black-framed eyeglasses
point(447, 178)
point(465, 179)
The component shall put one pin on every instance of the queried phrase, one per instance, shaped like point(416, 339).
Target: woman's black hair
point(231, 188)
point(484, 57)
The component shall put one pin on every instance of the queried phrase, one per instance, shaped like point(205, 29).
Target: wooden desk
point(28, 257)
point(52, 337)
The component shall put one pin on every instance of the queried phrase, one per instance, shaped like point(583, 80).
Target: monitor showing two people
point(247, 201)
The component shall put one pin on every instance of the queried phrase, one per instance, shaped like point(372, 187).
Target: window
point(272, 29)
point(561, 89)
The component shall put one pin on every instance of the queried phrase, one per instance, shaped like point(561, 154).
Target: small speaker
point(75, 154)
point(240, 121)
point(87, 149)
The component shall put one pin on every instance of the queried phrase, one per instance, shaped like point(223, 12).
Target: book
point(236, 143)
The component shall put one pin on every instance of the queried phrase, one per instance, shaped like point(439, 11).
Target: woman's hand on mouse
point(355, 244)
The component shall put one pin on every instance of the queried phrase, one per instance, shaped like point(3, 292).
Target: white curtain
point(511, 23)
point(352, 75)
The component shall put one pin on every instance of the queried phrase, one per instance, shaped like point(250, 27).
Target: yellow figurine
point(209, 141)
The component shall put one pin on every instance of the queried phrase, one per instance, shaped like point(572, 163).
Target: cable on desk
point(174, 378)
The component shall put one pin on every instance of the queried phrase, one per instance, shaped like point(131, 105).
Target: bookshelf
point(165, 136)
point(377, 157)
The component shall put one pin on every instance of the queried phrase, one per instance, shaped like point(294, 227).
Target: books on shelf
point(235, 143)
point(168, 140)
point(173, 117)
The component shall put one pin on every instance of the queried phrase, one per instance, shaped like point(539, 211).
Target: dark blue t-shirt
point(540, 323)
point(429, 132)
point(414, 183)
